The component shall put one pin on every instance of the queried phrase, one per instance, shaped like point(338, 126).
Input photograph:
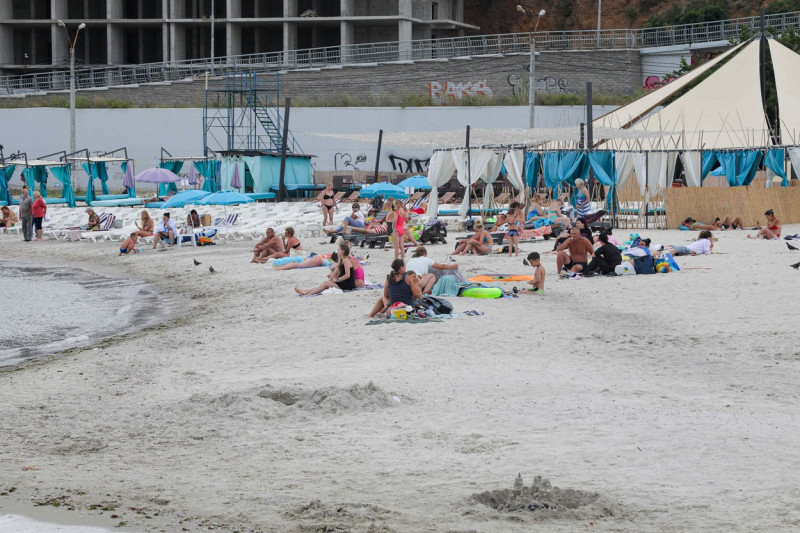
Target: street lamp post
point(71, 43)
point(532, 67)
point(212, 37)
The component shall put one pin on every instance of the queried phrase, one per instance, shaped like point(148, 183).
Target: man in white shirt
point(704, 245)
point(428, 271)
point(166, 230)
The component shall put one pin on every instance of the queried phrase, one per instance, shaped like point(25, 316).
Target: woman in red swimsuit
point(773, 229)
point(399, 230)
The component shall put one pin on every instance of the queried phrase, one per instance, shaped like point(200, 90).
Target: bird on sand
point(196, 262)
point(211, 269)
point(789, 246)
point(795, 266)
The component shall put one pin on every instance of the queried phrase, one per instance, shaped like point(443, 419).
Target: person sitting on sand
point(9, 219)
point(702, 246)
point(193, 219)
point(500, 223)
point(342, 274)
point(129, 245)
point(480, 243)
point(267, 246)
point(355, 220)
point(145, 226)
point(427, 270)
point(773, 229)
point(166, 231)
point(606, 257)
point(537, 283)
point(574, 252)
point(399, 287)
point(291, 246)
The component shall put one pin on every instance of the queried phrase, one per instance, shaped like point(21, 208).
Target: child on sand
point(514, 227)
point(537, 284)
point(129, 245)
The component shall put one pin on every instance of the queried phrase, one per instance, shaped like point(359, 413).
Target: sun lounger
point(106, 220)
point(121, 202)
point(258, 196)
point(362, 239)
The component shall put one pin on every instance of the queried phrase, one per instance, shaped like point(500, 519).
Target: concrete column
point(346, 29)
point(58, 39)
point(165, 40)
point(177, 32)
point(289, 28)
point(6, 34)
point(114, 40)
point(233, 31)
point(404, 29)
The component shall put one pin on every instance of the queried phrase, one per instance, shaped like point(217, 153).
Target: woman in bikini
point(145, 226)
point(328, 205)
point(480, 243)
point(399, 229)
point(291, 246)
point(773, 229)
point(341, 275)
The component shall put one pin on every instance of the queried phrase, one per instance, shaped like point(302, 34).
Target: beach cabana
point(34, 174)
point(206, 167)
point(259, 172)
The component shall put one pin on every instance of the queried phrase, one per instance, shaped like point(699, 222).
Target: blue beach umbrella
point(387, 190)
point(417, 182)
point(224, 198)
point(185, 197)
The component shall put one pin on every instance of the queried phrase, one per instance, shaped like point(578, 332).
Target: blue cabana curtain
point(62, 174)
point(173, 166)
point(130, 190)
point(34, 175)
point(5, 177)
point(740, 166)
point(531, 171)
point(91, 171)
point(708, 162)
point(102, 173)
point(208, 169)
point(550, 169)
point(773, 160)
point(605, 171)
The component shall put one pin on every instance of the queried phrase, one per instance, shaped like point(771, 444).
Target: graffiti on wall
point(520, 84)
point(409, 164)
point(652, 83)
point(347, 160)
point(452, 91)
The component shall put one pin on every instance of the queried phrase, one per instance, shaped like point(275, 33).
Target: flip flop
point(477, 313)
point(468, 313)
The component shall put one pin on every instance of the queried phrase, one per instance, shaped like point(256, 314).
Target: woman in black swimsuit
point(328, 205)
point(341, 275)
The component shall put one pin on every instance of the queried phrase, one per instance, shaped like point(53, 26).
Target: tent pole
point(469, 178)
point(282, 183)
point(646, 185)
point(589, 134)
point(378, 155)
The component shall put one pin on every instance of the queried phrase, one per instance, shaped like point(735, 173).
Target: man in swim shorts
point(573, 253)
point(271, 244)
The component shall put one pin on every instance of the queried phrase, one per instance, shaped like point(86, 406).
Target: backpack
point(439, 306)
point(644, 265)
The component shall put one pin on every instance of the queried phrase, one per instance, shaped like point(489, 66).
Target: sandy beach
point(670, 400)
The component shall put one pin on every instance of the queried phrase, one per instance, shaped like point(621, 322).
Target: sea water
point(51, 309)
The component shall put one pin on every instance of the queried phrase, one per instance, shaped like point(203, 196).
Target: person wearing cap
point(500, 222)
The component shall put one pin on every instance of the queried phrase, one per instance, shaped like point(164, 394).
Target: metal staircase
point(240, 115)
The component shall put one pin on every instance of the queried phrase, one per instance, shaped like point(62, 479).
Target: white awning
point(786, 65)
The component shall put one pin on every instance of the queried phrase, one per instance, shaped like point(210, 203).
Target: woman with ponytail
point(399, 288)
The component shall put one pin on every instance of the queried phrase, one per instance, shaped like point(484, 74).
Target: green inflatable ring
point(482, 292)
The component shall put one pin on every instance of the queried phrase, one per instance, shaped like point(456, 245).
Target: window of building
point(96, 8)
point(434, 10)
point(75, 9)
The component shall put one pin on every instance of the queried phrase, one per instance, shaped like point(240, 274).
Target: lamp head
point(520, 9)
point(82, 25)
point(61, 23)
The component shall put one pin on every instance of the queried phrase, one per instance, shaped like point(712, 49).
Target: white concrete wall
point(40, 131)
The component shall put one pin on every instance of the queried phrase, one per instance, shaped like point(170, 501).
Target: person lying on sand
point(702, 246)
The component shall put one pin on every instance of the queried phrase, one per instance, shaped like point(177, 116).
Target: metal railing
point(421, 50)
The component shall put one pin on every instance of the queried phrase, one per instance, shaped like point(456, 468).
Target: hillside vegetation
point(501, 16)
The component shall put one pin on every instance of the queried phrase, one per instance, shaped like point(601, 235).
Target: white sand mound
point(542, 500)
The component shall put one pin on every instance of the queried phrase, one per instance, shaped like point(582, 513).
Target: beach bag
point(644, 265)
point(205, 220)
point(666, 263)
point(439, 306)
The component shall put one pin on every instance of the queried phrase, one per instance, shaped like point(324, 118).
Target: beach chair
point(446, 198)
point(352, 198)
point(317, 198)
point(102, 234)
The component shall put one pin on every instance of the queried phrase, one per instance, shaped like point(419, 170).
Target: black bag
point(440, 306)
point(644, 265)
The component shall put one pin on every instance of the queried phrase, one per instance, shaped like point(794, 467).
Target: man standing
point(573, 254)
point(26, 214)
point(166, 230)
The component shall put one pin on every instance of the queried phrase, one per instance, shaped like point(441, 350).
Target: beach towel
point(500, 277)
point(334, 290)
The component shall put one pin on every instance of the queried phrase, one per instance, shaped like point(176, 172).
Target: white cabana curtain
point(672, 162)
point(514, 161)
point(440, 169)
point(794, 157)
point(479, 160)
point(692, 167)
point(640, 166)
point(490, 176)
point(623, 162)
